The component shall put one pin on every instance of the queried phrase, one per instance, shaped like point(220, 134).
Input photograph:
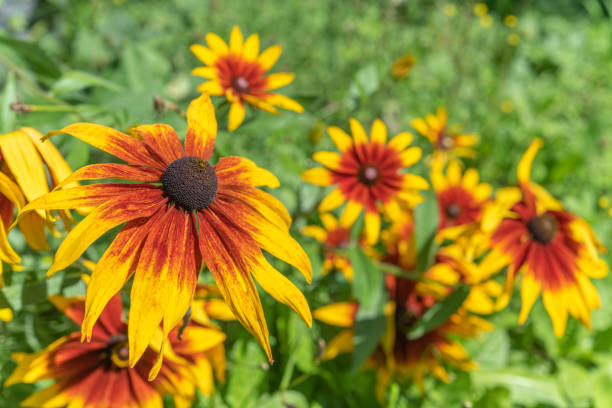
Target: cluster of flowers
point(178, 212)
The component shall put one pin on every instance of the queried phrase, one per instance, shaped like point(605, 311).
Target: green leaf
point(79, 154)
point(19, 295)
point(525, 387)
point(9, 95)
point(283, 399)
point(368, 288)
point(440, 312)
point(426, 225)
point(37, 60)
point(246, 373)
point(78, 80)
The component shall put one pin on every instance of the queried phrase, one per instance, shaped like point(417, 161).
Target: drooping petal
point(222, 256)
point(266, 205)
point(163, 140)
point(524, 167)
point(32, 226)
point(530, 290)
point(201, 128)
point(114, 268)
point(372, 227)
point(236, 170)
point(126, 148)
point(140, 203)
point(7, 253)
point(236, 116)
point(58, 168)
point(281, 288)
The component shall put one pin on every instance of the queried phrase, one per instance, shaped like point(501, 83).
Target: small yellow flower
point(402, 66)
point(604, 202)
point(506, 106)
point(510, 20)
point(480, 9)
point(450, 9)
point(513, 39)
point(486, 21)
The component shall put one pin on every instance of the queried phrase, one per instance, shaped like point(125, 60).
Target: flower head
point(461, 199)
point(447, 141)
point(334, 237)
point(96, 374)
point(238, 71)
point(555, 251)
point(367, 174)
point(178, 210)
point(402, 66)
point(24, 163)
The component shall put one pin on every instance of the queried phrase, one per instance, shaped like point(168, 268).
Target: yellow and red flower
point(367, 174)
point(461, 199)
point(555, 251)
point(96, 374)
point(448, 142)
point(333, 236)
point(24, 163)
point(238, 71)
point(178, 211)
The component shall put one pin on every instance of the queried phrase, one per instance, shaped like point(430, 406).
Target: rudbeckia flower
point(178, 211)
point(402, 66)
point(238, 71)
point(555, 251)
point(461, 199)
point(96, 374)
point(447, 142)
point(367, 173)
point(24, 163)
point(334, 237)
point(397, 355)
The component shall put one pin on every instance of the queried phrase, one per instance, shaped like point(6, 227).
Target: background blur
point(545, 72)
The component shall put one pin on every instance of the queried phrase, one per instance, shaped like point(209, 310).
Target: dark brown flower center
point(445, 142)
point(453, 210)
point(240, 84)
point(190, 182)
point(543, 228)
point(368, 174)
point(118, 350)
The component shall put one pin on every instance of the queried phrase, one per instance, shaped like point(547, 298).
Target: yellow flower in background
point(513, 39)
point(486, 21)
point(238, 71)
point(480, 9)
point(333, 236)
point(506, 106)
point(402, 66)
point(555, 252)
point(510, 20)
point(368, 173)
point(447, 142)
point(450, 9)
point(25, 161)
point(177, 211)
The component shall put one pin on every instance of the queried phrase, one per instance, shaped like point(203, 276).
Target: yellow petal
point(251, 47)
point(524, 167)
point(342, 343)
point(557, 310)
point(330, 160)
point(530, 290)
point(58, 168)
point(236, 40)
point(378, 133)
point(211, 88)
point(269, 57)
point(340, 138)
point(279, 79)
point(421, 126)
point(201, 128)
point(359, 134)
point(6, 314)
point(319, 177)
point(329, 221)
point(470, 179)
point(205, 72)
point(372, 227)
point(284, 102)
point(281, 289)
point(400, 141)
point(236, 116)
point(204, 54)
point(411, 156)
point(32, 226)
point(314, 231)
point(412, 181)
point(332, 201)
point(350, 213)
point(453, 173)
point(216, 44)
point(341, 314)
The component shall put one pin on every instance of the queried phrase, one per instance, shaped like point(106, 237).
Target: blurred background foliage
point(546, 73)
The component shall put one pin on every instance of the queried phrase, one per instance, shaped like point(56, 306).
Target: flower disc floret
point(191, 183)
point(543, 228)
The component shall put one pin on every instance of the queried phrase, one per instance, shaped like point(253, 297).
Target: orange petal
point(113, 171)
point(163, 140)
point(125, 147)
point(201, 128)
point(105, 217)
point(237, 170)
point(222, 256)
